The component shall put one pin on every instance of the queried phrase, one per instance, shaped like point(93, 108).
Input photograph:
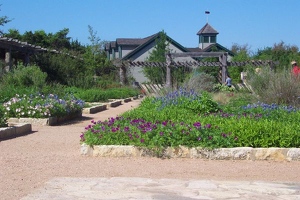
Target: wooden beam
point(198, 54)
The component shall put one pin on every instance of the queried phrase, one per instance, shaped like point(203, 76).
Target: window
point(205, 39)
point(213, 39)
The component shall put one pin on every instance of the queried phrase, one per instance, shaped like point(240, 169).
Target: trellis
point(222, 64)
point(10, 44)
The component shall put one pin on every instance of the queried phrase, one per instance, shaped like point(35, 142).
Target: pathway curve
point(45, 162)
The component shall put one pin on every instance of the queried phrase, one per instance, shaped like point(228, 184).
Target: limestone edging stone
point(15, 130)
point(238, 153)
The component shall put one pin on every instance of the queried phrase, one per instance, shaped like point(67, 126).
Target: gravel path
point(29, 161)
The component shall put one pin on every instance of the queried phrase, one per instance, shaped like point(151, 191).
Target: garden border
point(15, 131)
point(238, 153)
point(113, 103)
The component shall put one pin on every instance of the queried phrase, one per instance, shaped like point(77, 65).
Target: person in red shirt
point(295, 69)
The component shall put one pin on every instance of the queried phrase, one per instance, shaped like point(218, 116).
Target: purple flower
point(199, 138)
point(142, 140)
point(210, 137)
point(126, 128)
point(197, 124)
point(113, 129)
point(208, 126)
point(161, 133)
point(82, 137)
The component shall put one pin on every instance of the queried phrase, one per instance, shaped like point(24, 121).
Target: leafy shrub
point(3, 121)
point(96, 95)
point(188, 99)
point(222, 88)
point(23, 76)
point(200, 82)
point(275, 87)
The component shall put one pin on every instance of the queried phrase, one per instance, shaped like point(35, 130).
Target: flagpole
point(207, 13)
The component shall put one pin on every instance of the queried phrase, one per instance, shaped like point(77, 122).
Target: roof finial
point(207, 13)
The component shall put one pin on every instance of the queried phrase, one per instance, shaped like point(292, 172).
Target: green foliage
point(280, 52)
point(3, 120)
point(172, 121)
point(241, 52)
point(98, 95)
point(235, 73)
point(222, 88)
point(200, 82)
point(157, 74)
point(21, 76)
point(3, 20)
point(212, 71)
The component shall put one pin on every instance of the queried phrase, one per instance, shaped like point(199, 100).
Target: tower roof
point(207, 29)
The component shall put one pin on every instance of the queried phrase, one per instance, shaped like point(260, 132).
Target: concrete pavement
point(135, 188)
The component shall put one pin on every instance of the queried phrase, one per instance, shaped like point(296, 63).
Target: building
point(139, 49)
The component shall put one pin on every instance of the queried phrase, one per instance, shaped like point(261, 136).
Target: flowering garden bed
point(50, 121)
point(184, 118)
point(42, 109)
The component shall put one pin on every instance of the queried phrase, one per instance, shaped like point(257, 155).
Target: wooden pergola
point(10, 45)
point(222, 64)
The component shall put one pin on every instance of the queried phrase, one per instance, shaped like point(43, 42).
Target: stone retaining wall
point(241, 153)
point(14, 131)
point(51, 121)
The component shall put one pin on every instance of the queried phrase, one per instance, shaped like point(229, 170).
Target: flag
point(207, 12)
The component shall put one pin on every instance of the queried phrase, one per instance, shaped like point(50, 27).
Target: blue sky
point(257, 23)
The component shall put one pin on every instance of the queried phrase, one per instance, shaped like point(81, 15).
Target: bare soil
point(27, 162)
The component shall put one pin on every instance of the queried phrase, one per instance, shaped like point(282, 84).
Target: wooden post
point(223, 60)
point(168, 71)
point(123, 75)
point(26, 60)
point(7, 61)
point(122, 71)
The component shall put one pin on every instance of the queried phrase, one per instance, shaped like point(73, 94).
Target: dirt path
point(27, 162)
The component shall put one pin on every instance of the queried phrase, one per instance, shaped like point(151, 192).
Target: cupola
point(207, 36)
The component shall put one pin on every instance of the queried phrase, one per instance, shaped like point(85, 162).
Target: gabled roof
point(219, 47)
point(207, 29)
point(150, 39)
point(130, 41)
point(210, 48)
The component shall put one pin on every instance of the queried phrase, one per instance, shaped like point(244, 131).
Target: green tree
point(158, 74)
point(3, 20)
point(95, 57)
point(280, 52)
point(241, 52)
point(13, 33)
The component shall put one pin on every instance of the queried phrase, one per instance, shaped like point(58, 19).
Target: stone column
point(7, 61)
